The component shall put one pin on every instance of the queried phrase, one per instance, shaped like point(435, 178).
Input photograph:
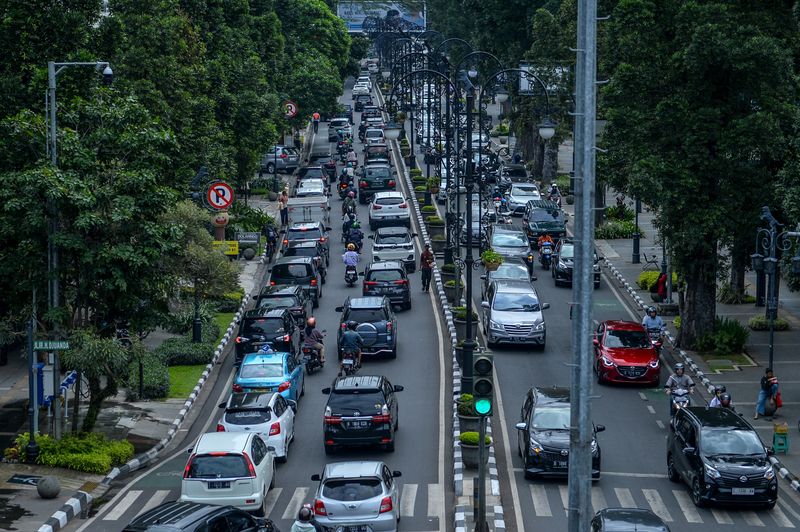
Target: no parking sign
point(219, 195)
point(291, 109)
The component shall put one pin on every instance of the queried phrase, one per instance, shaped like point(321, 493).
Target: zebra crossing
point(672, 505)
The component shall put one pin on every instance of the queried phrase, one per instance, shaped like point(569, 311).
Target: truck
point(309, 209)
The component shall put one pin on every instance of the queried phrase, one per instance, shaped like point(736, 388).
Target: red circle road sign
point(220, 195)
point(291, 109)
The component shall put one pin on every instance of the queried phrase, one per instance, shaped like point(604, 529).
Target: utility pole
point(580, 458)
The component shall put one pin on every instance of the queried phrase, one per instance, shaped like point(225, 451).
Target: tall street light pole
point(469, 261)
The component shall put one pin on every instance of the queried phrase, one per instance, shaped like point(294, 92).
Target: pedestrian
point(426, 267)
point(316, 117)
point(768, 395)
point(284, 201)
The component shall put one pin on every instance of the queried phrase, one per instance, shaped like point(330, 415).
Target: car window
point(630, 339)
point(259, 371)
point(392, 239)
point(515, 172)
point(384, 275)
point(301, 252)
point(509, 240)
point(218, 466)
point(296, 271)
point(366, 315)
point(378, 172)
point(550, 418)
point(262, 326)
point(510, 271)
point(387, 477)
point(254, 416)
point(686, 430)
point(361, 400)
point(357, 489)
point(515, 302)
point(377, 133)
point(566, 251)
point(389, 201)
point(240, 521)
point(730, 441)
point(545, 215)
point(257, 451)
point(280, 405)
point(277, 302)
point(217, 524)
point(526, 407)
point(525, 190)
point(290, 364)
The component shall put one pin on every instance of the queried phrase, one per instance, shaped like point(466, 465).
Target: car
point(395, 243)
point(236, 469)
point(300, 271)
point(311, 171)
point(326, 160)
point(512, 314)
point(274, 327)
point(543, 434)
point(282, 158)
point(512, 269)
point(509, 174)
point(720, 457)
point(389, 208)
point(376, 154)
point(268, 414)
point(176, 516)
point(365, 80)
point(362, 100)
point(519, 195)
point(358, 493)
point(306, 231)
point(377, 325)
point(374, 135)
point(308, 248)
point(623, 353)
point(479, 231)
point(627, 519)
point(311, 187)
point(360, 89)
point(388, 278)
point(370, 111)
point(293, 297)
point(375, 178)
point(271, 372)
point(361, 410)
point(544, 217)
point(511, 243)
point(344, 110)
point(375, 122)
point(562, 264)
point(336, 125)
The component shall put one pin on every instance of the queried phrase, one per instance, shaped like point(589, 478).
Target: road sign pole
point(480, 523)
point(56, 397)
point(32, 450)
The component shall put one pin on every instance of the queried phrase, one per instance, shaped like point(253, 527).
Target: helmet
point(352, 325)
point(352, 217)
point(720, 388)
point(679, 366)
point(351, 247)
point(356, 224)
point(351, 194)
point(304, 515)
point(651, 310)
point(311, 322)
point(725, 399)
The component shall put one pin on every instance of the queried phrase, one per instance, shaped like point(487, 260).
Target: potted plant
point(448, 271)
point(419, 192)
point(405, 148)
point(460, 321)
point(429, 210)
point(468, 442)
point(433, 184)
point(438, 243)
point(400, 117)
point(491, 260)
point(450, 289)
point(465, 408)
point(434, 224)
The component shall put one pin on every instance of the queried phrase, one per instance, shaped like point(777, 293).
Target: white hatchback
point(236, 469)
point(268, 414)
point(389, 208)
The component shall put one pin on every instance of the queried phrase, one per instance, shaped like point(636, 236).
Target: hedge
point(647, 279)
point(90, 453)
point(471, 438)
point(614, 229)
point(156, 378)
point(181, 351)
point(761, 323)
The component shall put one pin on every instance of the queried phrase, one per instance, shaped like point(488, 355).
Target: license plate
point(260, 390)
point(743, 491)
point(357, 424)
point(561, 463)
point(219, 484)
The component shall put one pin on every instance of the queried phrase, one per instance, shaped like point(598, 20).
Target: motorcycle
point(546, 255)
point(350, 276)
point(349, 364)
point(555, 198)
point(656, 339)
point(311, 358)
point(679, 399)
point(344, 188)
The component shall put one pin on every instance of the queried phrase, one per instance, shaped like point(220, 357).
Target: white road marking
point(624, 497)
point(651, 409)
point(643, 396)
point(657, 505)
point(633, 475)
point(564, 492)
point(660, 424)
point(435, 499)
point(295, 503)
point(272, 498)
point(157, 498)
point(122, 505)
point(598, 499)
point(780, 517)
point(721, 516)
point(407, 500)
point(751, 518)
point(541, 506)
point(687, 506)
point(785, 506)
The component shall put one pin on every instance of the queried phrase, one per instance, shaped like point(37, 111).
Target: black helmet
point(352, 325)
point(304, 515)
point(720, 388)
point(725, 399)
point(652, 310)
point(679, 366)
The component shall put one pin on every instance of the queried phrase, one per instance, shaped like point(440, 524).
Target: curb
point(791, 478)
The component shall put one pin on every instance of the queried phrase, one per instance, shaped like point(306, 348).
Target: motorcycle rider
point(718, 391)
point(352, 158)
point(305, 521)
point(544, 238)
point(652, 321)
point(725, 401)
point(362, 131)
point(351, 256)
point(351, 343)
point(355, 236)
point(677, 380)
point(313, 338)
point(349, 203)
point(348, 223)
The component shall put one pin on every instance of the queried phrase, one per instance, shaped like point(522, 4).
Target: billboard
point(354, 13)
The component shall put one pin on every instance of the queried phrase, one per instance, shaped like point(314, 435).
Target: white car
point(374, 135)
point(268, 414)
point(520, 194)
point(389, 208)
point(236, 469)
point(310, 187)
point(360, 88)
point(364, 80)
point(395, 243)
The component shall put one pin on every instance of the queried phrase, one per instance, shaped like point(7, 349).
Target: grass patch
point(223, 319)
point(183, 379)
point(735, 358)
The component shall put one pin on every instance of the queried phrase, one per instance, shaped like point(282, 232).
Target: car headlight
point(536, 447)
point(711, 472)
point(594, 446)
point(539, 326)
point(769, 474)
point(654, 363)
point(494, 325)
point(562, 265)
point(607, 362)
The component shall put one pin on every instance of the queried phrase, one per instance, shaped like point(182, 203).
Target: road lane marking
point(407, 500)
point(690, 513)
point(157, 498)
point(633, 475)
point(541, 506)
point(122, 505)
point(780, 518)
point(660, 424)
point(785, 505)
point(651, 409)
point(564, 492)
point(721, 516)
point(751, 518)
point(295, 503)
point(435, 499)
point(598, 499)
point(643, 396)
point(657, 504)
point(624, 497)
point(272, 498)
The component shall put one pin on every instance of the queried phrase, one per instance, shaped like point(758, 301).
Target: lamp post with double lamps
point(771, 241)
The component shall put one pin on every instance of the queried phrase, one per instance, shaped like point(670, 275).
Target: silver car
point(357, 493)
point(512, 314)
point(512, 269)
point(284, 158)
point(519, 195)
point(395, 243)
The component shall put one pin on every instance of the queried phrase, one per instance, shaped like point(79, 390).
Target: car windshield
point(384, 275)
point(277, 302)
point(525, 191)
point(310, 172)
point(567, 252)
point(261, 371)
point(366, 315)
point(377, 172)
point(296, 271)
point(510, 271)
point(516, 302)
point(303, 234)
point(515, 172)
point(339, 123)
point(730, 442)
point(631, 339)
point(218, 466)
point(377, 133)
point(301, 252)
point(253, 416)
point(505, 240)
point(363, 401)
point(545, 215)
point(392, 239)
point(357, 489)
point(550, 418)
point(262, 326)
point(389, 201)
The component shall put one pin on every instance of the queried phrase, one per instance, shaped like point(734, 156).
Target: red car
point(623, 354)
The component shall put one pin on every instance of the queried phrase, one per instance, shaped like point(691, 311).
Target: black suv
point(293, 297)
point(305, 231)
point(301, 271)
point(361, 410)
point(720, 457)
point(388, 278)
point(377, 324)
point(627, 519)
point(276, 327)
point(543, 434)
point(508, 174)
point(308, 248)
point(544, 216)
point(563, 262)
point(375, 178)
point(361, 101)
point(195, 517)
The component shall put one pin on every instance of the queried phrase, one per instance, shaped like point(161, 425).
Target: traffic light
point(482, 382)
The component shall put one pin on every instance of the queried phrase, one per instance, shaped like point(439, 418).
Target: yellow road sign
point(228, 247)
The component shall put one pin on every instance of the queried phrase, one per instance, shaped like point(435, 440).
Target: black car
point(276, 327)
point(720, 457)
point(388, 278)
point(377, 325)
point(345, 110)
point(196, 517)
point(563, 262)
point(361, 101)
point(326, 161)
point(370, 111)
point(361, 410)
point(543, 434)
point(626, 520)
point(301, 271)
point(308, 248)
point(293, 297)
point(544, 217)
point(375, 178)
point(508, 174)
point(309, 231)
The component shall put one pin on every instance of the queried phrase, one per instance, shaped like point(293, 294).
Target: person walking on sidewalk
point(316, 117)
point(768, 396)
point(426, 267)
point(284, 201)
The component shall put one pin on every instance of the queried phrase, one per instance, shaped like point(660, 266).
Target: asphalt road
point(421, 453)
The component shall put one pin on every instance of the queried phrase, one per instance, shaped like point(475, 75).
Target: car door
point(684, 437)
point(599, 335)
point(391, 486)
point(291, 371)
point(241, 521)
point(264, 467)
point(286, 418)
point(487, 312)
point(391, 399)
point(293, 331)
point(522, 435)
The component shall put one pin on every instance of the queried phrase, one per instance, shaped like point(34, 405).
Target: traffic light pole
point(480, 522)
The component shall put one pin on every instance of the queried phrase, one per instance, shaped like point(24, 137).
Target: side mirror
point(269, 269)
point(396, 474)
point(361, 274)
point(545, 306)
point(270, 448)
point(328, 228)
point(600, 428)
point(221, 405)
point(292, 405)
point(398, 388)
point(601, 258)
point(483, 277)
point(596, 342)
point(534, 278)
point(770, 451)
point(189, 450)
point(315, 477)
point(689, 451)
point(413, 235)
point(326, 391)
point(339, 309)
point(521, 426)
point(484, 304)
point(329, 207)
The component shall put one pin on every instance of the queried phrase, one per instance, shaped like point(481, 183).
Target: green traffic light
point(483, 406)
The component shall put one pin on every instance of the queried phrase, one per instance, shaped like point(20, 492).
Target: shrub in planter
point(400, 117)
point(647, 280)
point(421, 188)
point(490, 257)
point(729, 336)
point(452, 283)
point(428, 209)
point(180, 321)
point(434, 220)
point(613, 229)
point(228, 302)
point(449, 268)
point(90, 453)
point(182, 351)
point(460, 313)
point(433, 184)
point(415, 172)
point(677, 322)
point(156, 378)
point(570, 199)
point(466, 405)
point(471, 438)
point(760, 323)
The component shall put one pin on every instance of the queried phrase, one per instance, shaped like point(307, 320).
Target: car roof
point(622, 325)
point(544, 204)
point(513, 261)
point(386, 265)
point(305, 225)
point(221, 441)
point(303, 243)
point(174, 515)
point(499, 228)
point(514, 166)
point(358, 382)
point(261, 313)
point(552, 395)
point(373, 129)
point(366, 302)
point(320, 153)
point(294, 260)
point(264, 358)
point(392, 230)
point(280, 290)
point(621, 519)
point(718, 417)
point(249, 400)
point(353, 469)
point(514, 286)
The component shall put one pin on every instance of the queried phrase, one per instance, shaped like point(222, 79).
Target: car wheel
point(303, 388)
point(324, 278)
point(770, 505)
point(393, 354)
point(328, 450)
point(407, 306)
point(316, 302)
point(389, 447)
point(261, 512)
point(597, 285)
point(672, 473)
point(697, 493)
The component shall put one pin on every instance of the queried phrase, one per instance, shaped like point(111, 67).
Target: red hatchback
point(623, 354)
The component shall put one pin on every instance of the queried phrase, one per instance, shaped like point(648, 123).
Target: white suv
point(395, 243)
point(389, 208)
point(268, 414)
point(234, 469)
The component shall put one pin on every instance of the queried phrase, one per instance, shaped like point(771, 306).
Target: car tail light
point(220, 427)
point(250, 467)
point(284, 155)
point(323, 239)
point(362, 184)
point(403, 206)
point(285, 242)
point(388, 326)
point(384, 416)
point(284, 386)
point(237, 388)
point(391, 183)
point(238, 339)
point(313, 282)
point(275, 429)
point(330, 419)
point(319, 507)
point(188, 466)
point(401, 281)
point(286, 337)
point(344, 326)
point(386, 505)
point(370, 283)
point(272, 283)
point(376, 207)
